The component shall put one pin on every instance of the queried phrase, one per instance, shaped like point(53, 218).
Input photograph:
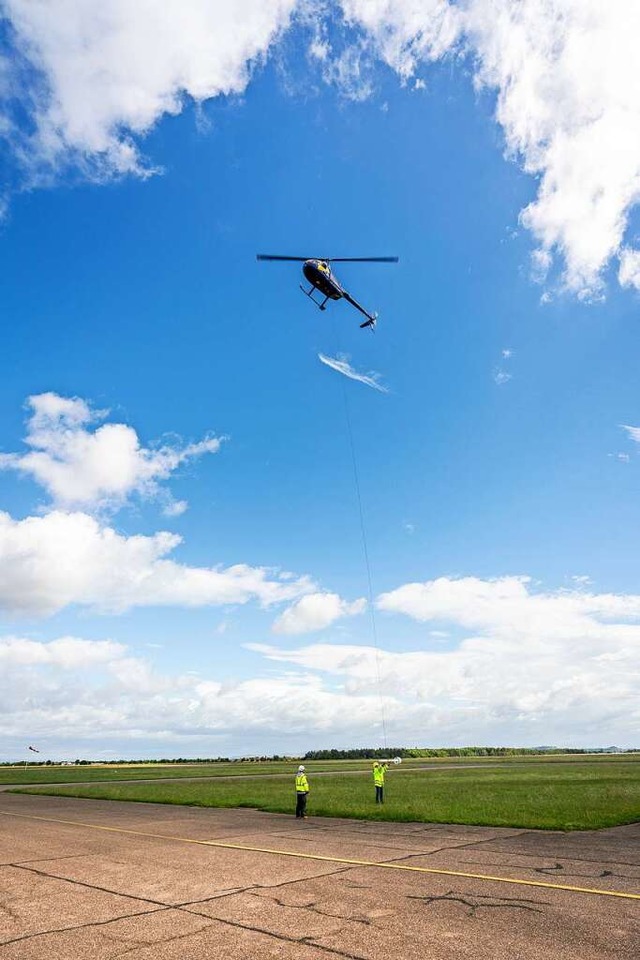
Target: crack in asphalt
point(91, 886)
point(282, 936)
point(220, 895)
point(7, 909)
point(82, 926)
point(506, 903)
point(162, 941)
point(391, 846)
point(71, 856)
point(536, 856)
point(430, 853)
point(475, 843)
point(312, 907)
point(260, 886)
point(357, 886)
point(555, 870)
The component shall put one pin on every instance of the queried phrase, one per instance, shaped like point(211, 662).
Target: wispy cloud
point(501, 376)
point(633, 432)
point(342, 365)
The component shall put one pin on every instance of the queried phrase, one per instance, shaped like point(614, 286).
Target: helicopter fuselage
point(319, 275)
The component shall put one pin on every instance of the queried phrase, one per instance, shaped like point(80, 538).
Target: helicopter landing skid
point(309, 293)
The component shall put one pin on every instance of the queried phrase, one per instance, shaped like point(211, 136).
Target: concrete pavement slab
point(116, 878)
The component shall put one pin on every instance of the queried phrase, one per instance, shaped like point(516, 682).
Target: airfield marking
point(384, 865)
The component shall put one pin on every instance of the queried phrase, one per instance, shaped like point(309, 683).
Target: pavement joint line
point(82, 926)
point(382, 865)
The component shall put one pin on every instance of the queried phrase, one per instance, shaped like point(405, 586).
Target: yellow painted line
point(384, 865)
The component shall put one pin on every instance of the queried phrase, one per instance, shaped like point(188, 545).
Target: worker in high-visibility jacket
point(302, 792)
point(378, 779)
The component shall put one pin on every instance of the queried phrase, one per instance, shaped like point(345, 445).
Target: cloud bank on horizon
point(563, 71)
point(539, 663)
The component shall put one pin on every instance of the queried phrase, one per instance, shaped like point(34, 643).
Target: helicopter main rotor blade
point(272, 256)
point(362, 259)
point(269, 256)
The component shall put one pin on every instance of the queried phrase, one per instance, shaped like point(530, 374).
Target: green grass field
point(19, 774)
point(545, 795)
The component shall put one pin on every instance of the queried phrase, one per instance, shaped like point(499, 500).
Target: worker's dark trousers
point(379, 794)
point(301, 804)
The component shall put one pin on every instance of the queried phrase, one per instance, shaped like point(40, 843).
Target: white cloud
point(50, 562)
point(350, 72)
point(107, 73)
point(81, 464)
point(406, 32)
point(629, 273)
point(65, 652)
point(633, 432)
point(582, 580)
point(315, 612)
point(510, 607)
point(341, 365)
point(319, 50)
point(100, 694)
point(568, 102)
point(560, 665)
point(175, 508)
point(507, 353)
point(529, 667)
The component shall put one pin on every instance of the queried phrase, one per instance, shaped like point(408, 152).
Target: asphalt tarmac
point(98, 879)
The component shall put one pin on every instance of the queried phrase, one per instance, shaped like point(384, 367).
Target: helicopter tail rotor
point(371, 322)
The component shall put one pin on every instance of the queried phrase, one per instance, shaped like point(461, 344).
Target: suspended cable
point(365, 550)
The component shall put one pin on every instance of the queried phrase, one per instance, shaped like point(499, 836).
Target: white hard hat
point(300, 768)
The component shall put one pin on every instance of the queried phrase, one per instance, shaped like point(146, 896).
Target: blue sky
point(499, 486)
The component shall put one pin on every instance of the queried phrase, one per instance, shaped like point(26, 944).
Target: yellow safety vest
point(378, 776)
point(302, 784)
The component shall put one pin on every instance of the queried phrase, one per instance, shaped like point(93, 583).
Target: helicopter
point(319, 274)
